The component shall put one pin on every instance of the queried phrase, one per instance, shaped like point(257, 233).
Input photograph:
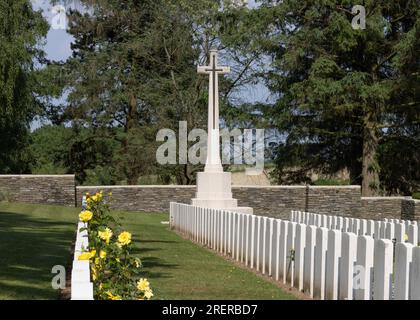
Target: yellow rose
point(105, 235)
point(137, 262)
point(148, 294)
point(406, 238)
point(102, 254)
point(143, 285)
point(84, 256)
point(112, 297)
point(85, 216)
point(94, 273)
point(124, 238)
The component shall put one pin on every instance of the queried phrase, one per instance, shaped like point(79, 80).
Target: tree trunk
point(370, 170)
point(132, 124)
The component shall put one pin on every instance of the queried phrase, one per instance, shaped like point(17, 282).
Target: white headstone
point(300, 241)
point(289, 275)
point(284, 228)
point(332, 264)
point(413, 234)
point(415, 275)
point(348, 259)
point(364, 265)
point(309, 260)
point(320, 259)
point(382, 269)
point(403, 258)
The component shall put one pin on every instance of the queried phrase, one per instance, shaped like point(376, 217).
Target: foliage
point(59, 149)
point(343, 96)
point(21, 32)
point(331, 182)
point(115, 271)
point(49, 146)
point(133, 72)
point(5, 197)
point(132, 69)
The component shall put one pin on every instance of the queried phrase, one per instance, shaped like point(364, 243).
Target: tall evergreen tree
point(343, 95)
point(21, 32)
point(134, 67)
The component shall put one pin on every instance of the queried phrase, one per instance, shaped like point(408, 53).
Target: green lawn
point(179, 269)
point(34, 238)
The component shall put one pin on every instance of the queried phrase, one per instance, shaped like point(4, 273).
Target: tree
point(343, 95)
point(134, 67)
point(21, 32)
point(57, 149)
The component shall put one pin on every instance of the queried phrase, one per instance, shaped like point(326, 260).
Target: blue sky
point(58, 48)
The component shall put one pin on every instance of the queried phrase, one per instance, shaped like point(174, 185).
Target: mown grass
point(34, 238)
point(179, 269)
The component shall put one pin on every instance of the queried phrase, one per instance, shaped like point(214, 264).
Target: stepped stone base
point(214, 190)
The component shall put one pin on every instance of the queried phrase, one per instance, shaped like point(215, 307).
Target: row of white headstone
point(81, 285)
point(392, 229)
point(324, 263)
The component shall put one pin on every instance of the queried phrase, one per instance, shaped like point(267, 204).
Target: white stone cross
point(213, 163)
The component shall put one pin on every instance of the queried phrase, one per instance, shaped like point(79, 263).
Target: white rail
point(324, 263)
point(400, 231)
point(81, 286)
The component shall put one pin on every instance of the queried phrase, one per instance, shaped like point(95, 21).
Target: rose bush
point(115, 272)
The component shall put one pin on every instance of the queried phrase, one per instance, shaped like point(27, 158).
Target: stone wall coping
point(37, 175)
point(233, 186)
point(136, 187)
point(335, 187)
point(268, 187)
point(297, 187)
point(416, 201)
point(386, 198)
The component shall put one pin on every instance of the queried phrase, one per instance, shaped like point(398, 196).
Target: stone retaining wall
point(378, 208)
point(142, 198)
point(39, 189)
point(272, 201)
point(410, 209)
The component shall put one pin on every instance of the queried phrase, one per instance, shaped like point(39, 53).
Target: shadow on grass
point(29, 249)
point(157, 241)
point(152, 262)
